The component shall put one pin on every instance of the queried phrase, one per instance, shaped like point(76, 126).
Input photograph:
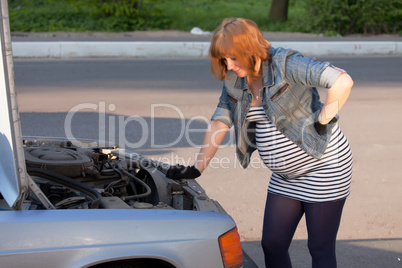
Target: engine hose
point(68, 182)
point(131, 176)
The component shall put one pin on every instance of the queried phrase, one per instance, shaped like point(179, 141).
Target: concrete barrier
point(63, 49)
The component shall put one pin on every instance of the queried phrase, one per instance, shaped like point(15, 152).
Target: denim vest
point(289, 98)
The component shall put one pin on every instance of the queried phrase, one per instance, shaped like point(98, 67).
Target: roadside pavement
point(174, 44)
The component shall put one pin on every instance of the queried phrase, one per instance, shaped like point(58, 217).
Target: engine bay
point(66, 176)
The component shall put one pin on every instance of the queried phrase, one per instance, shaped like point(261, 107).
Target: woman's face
point(235, 66)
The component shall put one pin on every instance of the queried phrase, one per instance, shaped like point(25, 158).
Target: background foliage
point(330, 17)
point(353, 16)
point(86, 15)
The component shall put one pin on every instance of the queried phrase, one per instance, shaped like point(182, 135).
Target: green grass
point(208, 14)
point(41, 16)
point(51, 16)
point(318, 16)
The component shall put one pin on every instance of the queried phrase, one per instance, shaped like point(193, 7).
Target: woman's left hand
point(336, 98)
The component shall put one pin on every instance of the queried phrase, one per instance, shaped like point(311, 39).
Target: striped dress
point(297, 175)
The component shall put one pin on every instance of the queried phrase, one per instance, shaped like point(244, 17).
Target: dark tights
point(282, 215)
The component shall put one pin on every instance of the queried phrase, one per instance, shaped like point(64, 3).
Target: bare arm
point(336, 98)
point(213, 138)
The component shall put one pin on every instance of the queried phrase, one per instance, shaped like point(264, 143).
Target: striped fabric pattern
point(296, 174)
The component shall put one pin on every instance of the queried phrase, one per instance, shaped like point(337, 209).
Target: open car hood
point(13, 178)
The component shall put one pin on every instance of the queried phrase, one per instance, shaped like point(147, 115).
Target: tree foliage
point(86, 15)
point(354, 16)
point(315, 16)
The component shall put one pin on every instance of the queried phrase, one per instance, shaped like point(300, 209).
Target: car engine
point(67, 176)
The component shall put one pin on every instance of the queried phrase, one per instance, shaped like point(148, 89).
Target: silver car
point(86, 204)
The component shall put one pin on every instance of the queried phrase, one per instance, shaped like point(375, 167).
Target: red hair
point(241, 39)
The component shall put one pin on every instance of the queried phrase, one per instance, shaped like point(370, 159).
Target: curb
point(189, 49)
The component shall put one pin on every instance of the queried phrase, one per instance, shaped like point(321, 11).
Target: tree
point(279, 10)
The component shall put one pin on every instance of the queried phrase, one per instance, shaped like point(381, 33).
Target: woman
point(269, 96)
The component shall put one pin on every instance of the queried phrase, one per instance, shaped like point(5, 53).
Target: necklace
point(255, 83)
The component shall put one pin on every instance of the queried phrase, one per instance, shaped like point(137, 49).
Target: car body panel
point(78, 238)
point(12, 161)
point(9, 184)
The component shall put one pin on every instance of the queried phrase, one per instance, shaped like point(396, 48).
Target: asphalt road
point(133, 85)
point(188, 74)
point(147, 103)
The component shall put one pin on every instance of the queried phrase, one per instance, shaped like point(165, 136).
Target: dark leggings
point(282, 215)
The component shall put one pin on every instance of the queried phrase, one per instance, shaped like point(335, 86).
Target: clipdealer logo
point(112, 128)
